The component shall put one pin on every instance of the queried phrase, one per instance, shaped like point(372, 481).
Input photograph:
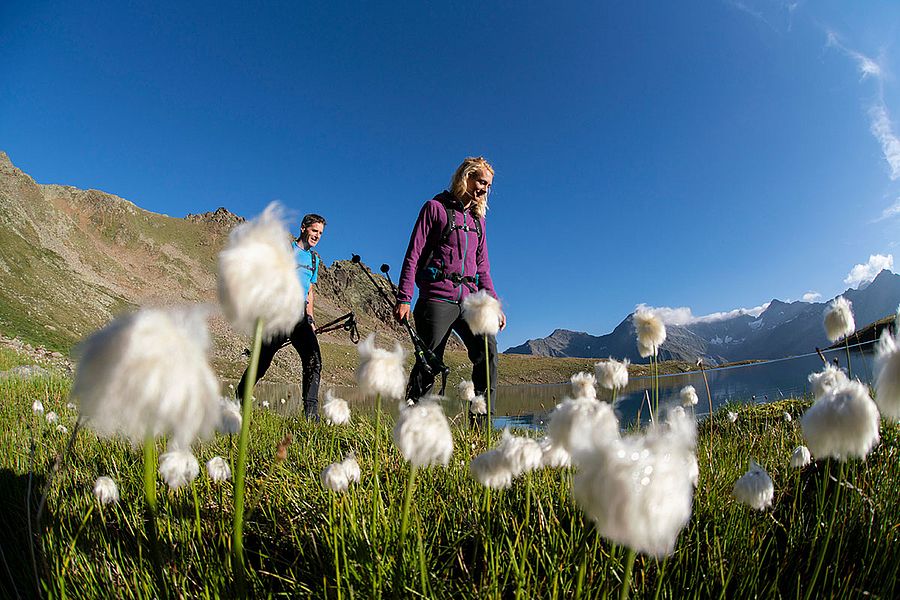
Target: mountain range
point(782, 329)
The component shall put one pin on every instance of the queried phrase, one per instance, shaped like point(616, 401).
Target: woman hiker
point(303, 336)
point(447, 259)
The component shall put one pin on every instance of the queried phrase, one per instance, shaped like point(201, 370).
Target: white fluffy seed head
point(639, 489)
point(554, 455)
point(37, 407)
point(826, 380)
point(106, 491)
point(580, 424)
point(787, 417)
point(491, 469)
point(351, 468)
point(839, 319)
point(887, 369)
point(842, 424)
point(688, 396)
point(650, 330)
point(380, 371)
point(612, 374)
point(800, 457)
point(51, 417)
point(258, 276)
point(522, 454)
point(218, 470)
point(583, 385)
point(146, 374)
point(229, 417)
point(481, 312)
point(466, 390)
point(422, 434)
point(336, 410)
point(478, 406)
point(754, 488)
point(732, 417)
point(178, 468)
point(335, 477)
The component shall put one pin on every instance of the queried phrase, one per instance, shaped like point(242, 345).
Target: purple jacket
point(462, 254)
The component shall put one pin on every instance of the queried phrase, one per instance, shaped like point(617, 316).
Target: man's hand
point(401, 311)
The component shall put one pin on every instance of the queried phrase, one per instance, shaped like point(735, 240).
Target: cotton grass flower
point(258, 277)
point(229, 417)
point(336, 410)
point(522, 454)
point(380, 371)
point(422, 434)
point(639, 489)
point(51, 417)
point(553, 456)
point(106, 491)
point(178, 468)
point(688, 396)
point(650, 330)
point(800, 457)
point(787, 417)
point(478, 406)
point(842, 424)
point(839, 319)
point(466, 390)
point(481, 312)
point(491, 469)
point(732, 417)
point(338, 476)
point(754, 488)
point(612, 374)
point(580, 423)
point(71, 405)
point(62, 429)
point(826, 380)
point(37, 407)
point(265, 404)
point(146, 374)
point(218, 470)
point(887, 368)
point(583, 385)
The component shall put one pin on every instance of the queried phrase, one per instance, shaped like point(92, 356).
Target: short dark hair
point(312, 219)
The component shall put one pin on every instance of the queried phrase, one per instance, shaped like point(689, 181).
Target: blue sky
point(700, 155)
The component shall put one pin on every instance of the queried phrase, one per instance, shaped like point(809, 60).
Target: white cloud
point(811, 296)
point(867, 66)
point(883, 130)
point(683, 315)
point(864, 273)
point(889, 212)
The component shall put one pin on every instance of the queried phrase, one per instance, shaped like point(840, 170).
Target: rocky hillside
point(72, 259)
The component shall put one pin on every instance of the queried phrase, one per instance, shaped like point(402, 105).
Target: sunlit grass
point(295, 530)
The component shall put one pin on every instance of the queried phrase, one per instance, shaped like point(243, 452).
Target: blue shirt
point(307, 267)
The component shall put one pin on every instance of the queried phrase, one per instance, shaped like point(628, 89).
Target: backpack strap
point(317, 260)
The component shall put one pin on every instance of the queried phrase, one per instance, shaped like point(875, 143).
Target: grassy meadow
point(529, 541)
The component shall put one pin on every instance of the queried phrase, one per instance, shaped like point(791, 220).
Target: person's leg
point(475, 346)
point(433, 321)
point(307, 345)
point(266, 354)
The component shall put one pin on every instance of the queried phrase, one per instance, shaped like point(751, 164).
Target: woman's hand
point(502, 320)
point(401, 311)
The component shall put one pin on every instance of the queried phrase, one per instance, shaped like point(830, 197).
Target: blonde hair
point(469, 168)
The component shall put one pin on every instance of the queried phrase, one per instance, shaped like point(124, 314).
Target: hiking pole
point(346, 322)
point(430, 363)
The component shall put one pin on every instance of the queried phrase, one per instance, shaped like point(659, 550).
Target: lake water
point(528, 406)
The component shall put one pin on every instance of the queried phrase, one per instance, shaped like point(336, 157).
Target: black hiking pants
point(434, 322)
point(304, 340)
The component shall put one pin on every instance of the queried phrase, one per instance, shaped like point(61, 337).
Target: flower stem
point(150, 499)
point(240, 475)
point(376, 497)
point(196, 509)
point(847, 347)
point(406, 502)
point(626, 578)
point(834, 499)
